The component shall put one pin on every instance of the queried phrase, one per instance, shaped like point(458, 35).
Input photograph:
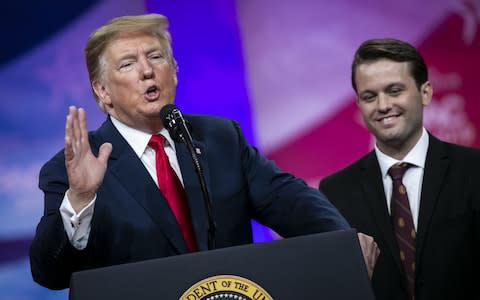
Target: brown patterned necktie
point(403, 224)
point(173, 191)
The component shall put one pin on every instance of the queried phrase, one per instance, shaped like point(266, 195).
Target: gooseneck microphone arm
point(173, 120)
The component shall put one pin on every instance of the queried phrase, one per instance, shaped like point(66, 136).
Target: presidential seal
point(225, 287)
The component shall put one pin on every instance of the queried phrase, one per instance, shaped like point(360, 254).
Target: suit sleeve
point(283, 202)
point(52, 257)
point(476, 219)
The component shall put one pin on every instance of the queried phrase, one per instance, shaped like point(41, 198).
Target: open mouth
point(152, 93)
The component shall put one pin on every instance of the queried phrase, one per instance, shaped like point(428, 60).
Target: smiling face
point(136, 81)
point(391, 104)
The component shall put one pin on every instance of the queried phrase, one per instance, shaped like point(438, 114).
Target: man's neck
point(401, 149)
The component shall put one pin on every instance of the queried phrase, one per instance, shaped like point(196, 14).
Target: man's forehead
point(133, 37)
point(382, 71)
point(383, 65)
point(129, 44)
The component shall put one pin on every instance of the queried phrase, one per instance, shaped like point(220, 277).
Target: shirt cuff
point(77, 226)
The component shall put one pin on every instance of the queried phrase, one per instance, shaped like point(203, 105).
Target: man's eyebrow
point(153, 49)
point(126, 54)
point(366, 92)
point(395, 84)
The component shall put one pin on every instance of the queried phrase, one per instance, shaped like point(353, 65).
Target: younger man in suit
point(416, 195)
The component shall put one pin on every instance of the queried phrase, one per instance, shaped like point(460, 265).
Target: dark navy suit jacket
point(132, 222)
point(448, 231)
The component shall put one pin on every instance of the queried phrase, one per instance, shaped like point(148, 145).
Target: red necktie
point(403, 224)
point(173, 191)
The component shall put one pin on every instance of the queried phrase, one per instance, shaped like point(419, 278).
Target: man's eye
point(394, 92)
point(155, 57)
point(126, 66)
point(368, 98)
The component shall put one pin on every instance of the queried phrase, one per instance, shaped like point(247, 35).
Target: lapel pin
point(198, 151)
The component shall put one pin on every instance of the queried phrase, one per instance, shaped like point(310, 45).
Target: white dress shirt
point(413, 177)
point(77, 226)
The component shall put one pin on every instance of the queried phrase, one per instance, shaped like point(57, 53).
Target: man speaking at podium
point(128, 191)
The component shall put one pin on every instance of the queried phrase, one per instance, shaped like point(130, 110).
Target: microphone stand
point(185, 136)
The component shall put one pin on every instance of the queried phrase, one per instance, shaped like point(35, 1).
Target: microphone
point(176, 125)
point(174, 122)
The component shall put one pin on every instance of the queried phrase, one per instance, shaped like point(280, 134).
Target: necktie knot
point(397, 171)
point(156, 141)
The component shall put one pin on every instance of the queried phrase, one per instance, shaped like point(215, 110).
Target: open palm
point(85, 171)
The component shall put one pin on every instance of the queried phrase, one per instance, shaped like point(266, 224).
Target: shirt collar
point(138, 139)
point(416, 156)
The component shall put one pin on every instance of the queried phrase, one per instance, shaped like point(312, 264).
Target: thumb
point(104, 152)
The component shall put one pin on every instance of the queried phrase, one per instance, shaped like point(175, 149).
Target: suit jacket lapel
point(193, 189)
point(436, 166)
point(372, 184)
point(132, 175)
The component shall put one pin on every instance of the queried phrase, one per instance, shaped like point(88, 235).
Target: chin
point(154, 107)
point(392, 140)
point(387, 136)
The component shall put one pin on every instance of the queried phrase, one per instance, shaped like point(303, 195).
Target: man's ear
point(426, 90)
point(101, 91)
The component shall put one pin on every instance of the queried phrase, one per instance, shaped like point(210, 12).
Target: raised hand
point(85, 171)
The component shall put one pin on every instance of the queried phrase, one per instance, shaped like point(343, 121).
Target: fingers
point(82, 126)
point(69, 133)
point(104, 152)
point(76, 137)
point(85, 171)
point(76, 132)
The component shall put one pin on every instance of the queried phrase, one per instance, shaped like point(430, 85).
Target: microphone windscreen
point(166, 114)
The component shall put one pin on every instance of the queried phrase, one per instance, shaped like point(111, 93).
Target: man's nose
point(384, 102)
point(146, 69)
